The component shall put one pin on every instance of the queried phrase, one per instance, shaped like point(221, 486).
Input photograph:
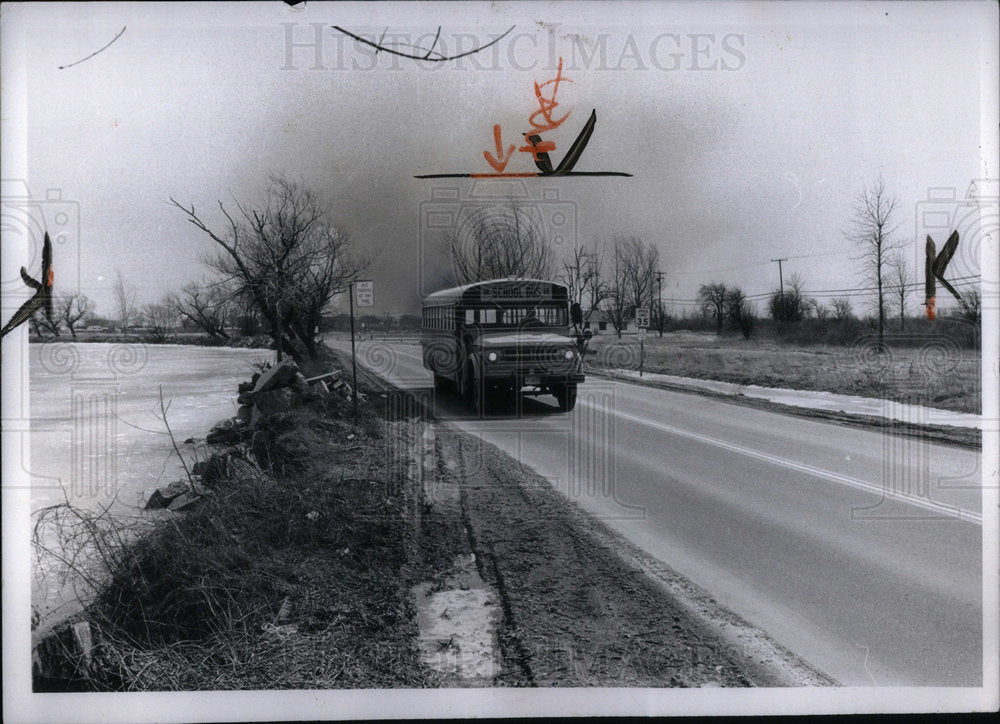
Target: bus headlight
point(569, 354)
point(492, 356)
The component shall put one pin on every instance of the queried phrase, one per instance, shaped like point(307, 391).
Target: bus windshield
point(546, 314)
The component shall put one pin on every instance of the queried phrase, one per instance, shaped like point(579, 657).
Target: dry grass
point(938, 373)
point(285, 577)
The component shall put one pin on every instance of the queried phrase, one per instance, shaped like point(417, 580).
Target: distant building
point(599, 323)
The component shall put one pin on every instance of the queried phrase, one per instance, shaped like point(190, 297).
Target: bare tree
point(792, 305)
point(71, 308)
point(42, 324)
point(594, 283)
point(248, 319)
point(713, 301)
point(632, 280)
point(617, 299)
point(206, 305)
point(124, 294)
point(738, 311)
point(161, 318)
point(735, 301)
point(501, 241)
point(900, 277)
point(972, 306)
point(819, 310)
point(875, 222)
point(283, 255)
point(641, 261)
point(841, 308)
point(574, 272)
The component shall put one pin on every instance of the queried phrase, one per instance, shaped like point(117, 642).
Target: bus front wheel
point(566, 397)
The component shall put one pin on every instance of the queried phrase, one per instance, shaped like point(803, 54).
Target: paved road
point(860, 552)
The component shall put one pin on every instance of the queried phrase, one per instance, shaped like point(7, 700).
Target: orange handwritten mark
point(498, 162)
point(930, 309)
point(546, 106)
point(51, 278)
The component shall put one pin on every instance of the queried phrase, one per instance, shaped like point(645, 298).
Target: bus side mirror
point(576, 313)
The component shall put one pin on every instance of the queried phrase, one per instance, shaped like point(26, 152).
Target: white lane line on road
point(949, 510)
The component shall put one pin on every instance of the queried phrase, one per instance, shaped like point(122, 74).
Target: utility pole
point(659, 302)
point(781, 286)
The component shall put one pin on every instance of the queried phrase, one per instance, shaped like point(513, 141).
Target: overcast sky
point(750, 129)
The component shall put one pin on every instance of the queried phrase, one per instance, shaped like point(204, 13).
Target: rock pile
point(278, 388)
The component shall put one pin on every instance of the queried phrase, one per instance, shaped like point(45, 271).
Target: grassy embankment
point(936, 374)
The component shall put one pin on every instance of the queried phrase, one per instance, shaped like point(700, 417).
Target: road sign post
point(641, 323)
point(366, 293)
point(366, 298)
point(354, 363)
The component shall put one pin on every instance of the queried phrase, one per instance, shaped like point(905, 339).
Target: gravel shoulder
point(582, 606)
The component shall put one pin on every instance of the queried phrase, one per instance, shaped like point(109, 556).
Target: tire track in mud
point(579, 607)
point(512, 648)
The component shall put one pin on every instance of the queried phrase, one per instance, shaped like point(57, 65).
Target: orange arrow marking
point(498, 162)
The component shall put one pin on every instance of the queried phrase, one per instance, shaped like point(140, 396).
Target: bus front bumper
point(519, 379)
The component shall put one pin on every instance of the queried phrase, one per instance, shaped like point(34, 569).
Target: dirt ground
point(935, 375)
point(579, 608)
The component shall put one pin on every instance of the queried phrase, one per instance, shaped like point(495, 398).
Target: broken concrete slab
point(276, 376)
point(325, 377)
point(162, 497)
point(223, 432)
point(187, 501)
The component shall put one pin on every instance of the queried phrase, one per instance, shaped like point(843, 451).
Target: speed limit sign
point(641, 317)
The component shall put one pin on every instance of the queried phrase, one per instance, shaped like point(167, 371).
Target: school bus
point(504, 336)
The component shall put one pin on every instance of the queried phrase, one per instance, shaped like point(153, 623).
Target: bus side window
point(470, 316)
point(489, 316)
